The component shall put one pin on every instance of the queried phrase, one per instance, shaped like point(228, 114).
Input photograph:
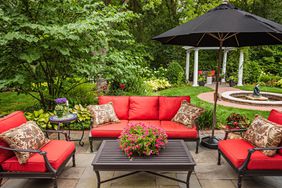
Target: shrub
point(268, 79)
point(157, 84)
point(40, 117)
point(83, 94)
point(279, 83)
point(252, 72)
point(205, 120)
point(175, 73)
point(237, 121)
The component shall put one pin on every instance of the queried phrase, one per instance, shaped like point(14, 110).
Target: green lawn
point(262, 88)
point(11, 101)
point(222, 111)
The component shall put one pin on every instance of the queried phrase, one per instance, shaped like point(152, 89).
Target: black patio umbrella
point(223, 26)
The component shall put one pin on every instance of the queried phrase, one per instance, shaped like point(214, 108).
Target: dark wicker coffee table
point(175, 157)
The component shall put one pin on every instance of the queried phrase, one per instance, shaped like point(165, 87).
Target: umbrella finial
point(225, 2)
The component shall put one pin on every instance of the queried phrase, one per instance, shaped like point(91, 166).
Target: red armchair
point(47, 163)
point(248, 160)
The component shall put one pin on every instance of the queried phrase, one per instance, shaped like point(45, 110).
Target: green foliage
point(268, 79)
point(46, 45)
point(279, 83)
point(157, 84)
point(204, 121)
point(175, 73)
point(40, 117)
point(84, 94)
point(83, 117)
point(252, 72)
point(235, 120)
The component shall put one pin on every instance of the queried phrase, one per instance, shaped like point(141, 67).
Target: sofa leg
point(219, 158)
point(1, 181)
point(55, 185)
point(91, 145)
point(239, 183)
point(73, 161)
point(197, 146)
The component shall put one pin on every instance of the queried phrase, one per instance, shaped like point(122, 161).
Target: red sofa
point(248, 160)
point(48, 162)
point(157, 111)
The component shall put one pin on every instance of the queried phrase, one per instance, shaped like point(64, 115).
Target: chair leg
point(1, 181)
point(197, 146)
point(239, 183)
point(91, 145)
point(73, 161)
point(219, 158)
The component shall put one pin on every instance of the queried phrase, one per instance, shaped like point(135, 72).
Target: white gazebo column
point(187, 65)
point(224, 65)
point(240, 71)
point(195, 78)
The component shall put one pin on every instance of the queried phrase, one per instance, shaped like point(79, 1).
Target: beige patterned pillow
point(264, 133)
point(187, 113)
point(104, 113)
point(26, 136)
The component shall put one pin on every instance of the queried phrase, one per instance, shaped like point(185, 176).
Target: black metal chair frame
point(91, 139)
point(50, 174)
point(243, 170)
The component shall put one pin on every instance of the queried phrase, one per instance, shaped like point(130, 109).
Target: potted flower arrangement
point(236, 121)
point(201, 80)
point(142, 140)
point(61, 107)
point(209, 77)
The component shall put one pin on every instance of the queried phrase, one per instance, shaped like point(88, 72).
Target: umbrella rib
point(201, 39)
point(274, 37)
point(170, 39)
point(227, 37)
point(214, 36)
point(236, 39)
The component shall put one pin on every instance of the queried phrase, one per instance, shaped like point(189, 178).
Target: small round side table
point(67, 119)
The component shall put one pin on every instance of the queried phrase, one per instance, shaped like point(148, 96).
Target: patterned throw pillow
point(104, 113)
point(26, 136)
point(264, 133)
point(187, 113)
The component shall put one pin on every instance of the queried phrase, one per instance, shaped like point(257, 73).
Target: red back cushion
point(144, 108)
point(120, 103)
point(276, 117)
point(168, 106)
point(10, 121)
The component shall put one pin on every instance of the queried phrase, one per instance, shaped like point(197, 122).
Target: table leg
point(188, 178)
point(81, 143)
point(98, 179)
point(59, 128)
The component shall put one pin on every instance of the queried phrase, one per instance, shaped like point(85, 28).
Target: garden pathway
point(207, 174)
point(209, 97)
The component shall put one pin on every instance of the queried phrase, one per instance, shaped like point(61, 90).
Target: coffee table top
point(175, 157)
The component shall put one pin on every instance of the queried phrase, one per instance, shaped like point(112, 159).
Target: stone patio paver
point(207, 174)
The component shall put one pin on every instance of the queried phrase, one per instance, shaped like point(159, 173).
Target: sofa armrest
point(67, 138)
point(251, 151)
point(233, 131)
point(43, 153)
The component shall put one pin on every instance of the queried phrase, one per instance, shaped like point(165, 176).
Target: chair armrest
point(43, 153)
point(251, 151)
point(233, 131)
point(57, 131)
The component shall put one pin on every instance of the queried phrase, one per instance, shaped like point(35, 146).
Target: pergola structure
point(196, 63)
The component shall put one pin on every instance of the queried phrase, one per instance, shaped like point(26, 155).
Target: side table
point(67, 119)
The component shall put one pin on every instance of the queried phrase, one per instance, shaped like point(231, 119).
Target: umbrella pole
point(211, 141)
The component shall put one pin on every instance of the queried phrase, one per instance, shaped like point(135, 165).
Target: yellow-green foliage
point(157, 84)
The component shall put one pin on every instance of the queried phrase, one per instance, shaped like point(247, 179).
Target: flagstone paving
point(207, 174)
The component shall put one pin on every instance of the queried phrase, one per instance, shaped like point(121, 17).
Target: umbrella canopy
point(235, 27)
point(223, 26)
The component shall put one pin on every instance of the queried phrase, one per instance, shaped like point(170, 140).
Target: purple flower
point(61, 100)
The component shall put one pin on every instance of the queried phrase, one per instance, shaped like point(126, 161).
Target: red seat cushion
point(8, 122)
point(177, 130)
point(144, 108)
point(57, 152)
point(120, 103)
point(276, 117)
point(236, 150)
point(112, 130)
point(155, 123)
point(168, 106)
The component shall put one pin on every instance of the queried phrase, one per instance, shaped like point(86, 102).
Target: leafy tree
point(49, 47)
